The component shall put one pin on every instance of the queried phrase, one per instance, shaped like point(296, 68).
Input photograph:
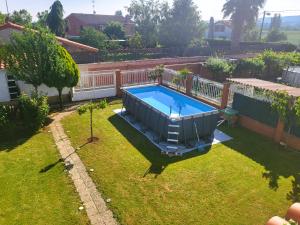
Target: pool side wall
point(158, 122)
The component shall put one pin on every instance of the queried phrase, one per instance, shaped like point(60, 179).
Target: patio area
point(245, 180)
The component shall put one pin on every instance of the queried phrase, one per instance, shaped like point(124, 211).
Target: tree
point(118, 13)
point(91, 106)
point(55, 19)
point(93, 37)
point(181, 25)
point(115, 30)
point(37, 58)
point(64, 72)
point(146, 15)
point(251, 34)
point(157, 73)
point(276, 35)
point(27, 55)
point(2, 18)
point(135, 41)
point(242, 13)
point(211, 28)
point(42, 18)
point(275, 22)
point(21, 17)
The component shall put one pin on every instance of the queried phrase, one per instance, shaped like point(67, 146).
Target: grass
point(243, 181)
point(34, 189)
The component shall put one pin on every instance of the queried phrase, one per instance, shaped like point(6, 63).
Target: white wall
point(93, 94)
point(50, 92)
point(4, 93)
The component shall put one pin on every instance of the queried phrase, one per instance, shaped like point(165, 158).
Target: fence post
point(279, 131)
point(225, 95)
point(118, 83)
point(189, 84)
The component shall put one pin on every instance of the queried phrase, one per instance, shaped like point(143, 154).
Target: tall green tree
point(118, 13)
point(55, 20)
point(115, 30)
point(27, 55)
point(211, 28)
point(242, 13)
point(91, 36)
point(181, 25)
point(21, 17)
point(275, 22)
point(42, 18)
point(37, 58)
point(146, 15)
point(64, 72)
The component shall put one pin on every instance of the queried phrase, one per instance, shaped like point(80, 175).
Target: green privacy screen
point(255, 109)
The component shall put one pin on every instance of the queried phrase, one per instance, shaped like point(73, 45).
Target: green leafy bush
point(219, 68)
point(3, 116)
point(33, 110)
point(276, 62)
point(251, 67)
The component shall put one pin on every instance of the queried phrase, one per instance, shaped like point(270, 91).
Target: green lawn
point(242, 182)
point(34, 189)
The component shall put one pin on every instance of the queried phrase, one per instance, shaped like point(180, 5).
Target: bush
point(276, 62)
point(3, 116)
point(251, 67)
point(276, 35)
point(219, 68)
point(33, 110)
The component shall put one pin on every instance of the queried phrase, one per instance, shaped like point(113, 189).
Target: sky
point(207, 8)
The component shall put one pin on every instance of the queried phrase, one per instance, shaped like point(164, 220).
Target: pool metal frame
point(214, 114)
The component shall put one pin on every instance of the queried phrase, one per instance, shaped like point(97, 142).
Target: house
point(77, 21)
point(223, 30)
point(10, 89)
point(71, 46)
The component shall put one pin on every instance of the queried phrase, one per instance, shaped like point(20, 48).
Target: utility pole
point(7, 12)
point(93, 4)
point(262, 24)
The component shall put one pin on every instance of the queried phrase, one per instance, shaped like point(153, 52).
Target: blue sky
point(207, 7)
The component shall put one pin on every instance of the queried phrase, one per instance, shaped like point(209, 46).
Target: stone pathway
point(94, 204)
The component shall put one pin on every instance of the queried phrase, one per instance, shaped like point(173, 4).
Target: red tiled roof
point(63, 41)
point(267, 85)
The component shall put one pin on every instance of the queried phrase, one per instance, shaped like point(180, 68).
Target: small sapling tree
point(90, 107)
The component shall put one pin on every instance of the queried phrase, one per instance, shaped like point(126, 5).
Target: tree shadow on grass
point(158, 161)
point(276, 160)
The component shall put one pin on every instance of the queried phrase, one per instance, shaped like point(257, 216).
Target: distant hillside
point(287, 22)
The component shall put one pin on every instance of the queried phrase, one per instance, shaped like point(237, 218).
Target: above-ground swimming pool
point(171, 115)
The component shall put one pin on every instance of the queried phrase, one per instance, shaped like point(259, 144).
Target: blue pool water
point(163, 98)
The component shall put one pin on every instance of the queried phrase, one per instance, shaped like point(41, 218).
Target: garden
point(244, 181)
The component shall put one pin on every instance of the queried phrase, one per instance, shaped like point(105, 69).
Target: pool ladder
point(173, 135)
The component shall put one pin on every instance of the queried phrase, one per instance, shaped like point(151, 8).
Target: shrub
point(219, 68)
point(3, 116)
point(33, 110)
point(276, 62)
point(276, 35)
point(252, 67)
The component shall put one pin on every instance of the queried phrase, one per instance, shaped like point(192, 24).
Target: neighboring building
point(77, 21)
point(71, 46)
point(222, 30)
point(10, 89)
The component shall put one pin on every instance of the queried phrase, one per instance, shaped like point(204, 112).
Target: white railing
point(169, 79)
point(91, 80)
point(207, 89)
point(135, 77)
